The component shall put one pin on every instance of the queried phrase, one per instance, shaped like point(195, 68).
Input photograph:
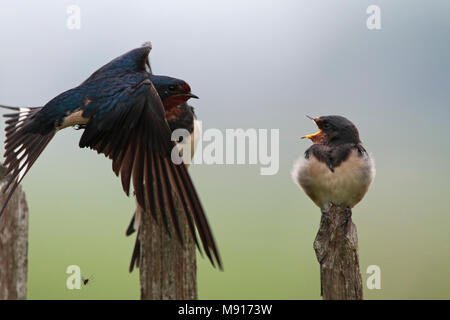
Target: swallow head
point(172, 91)
point(333, 130)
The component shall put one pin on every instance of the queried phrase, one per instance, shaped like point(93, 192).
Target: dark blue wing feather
point(132, 61)
point(130, 128)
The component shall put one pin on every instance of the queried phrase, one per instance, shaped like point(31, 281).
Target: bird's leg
point(348, 218)
point(326, 208)
point(348, 213)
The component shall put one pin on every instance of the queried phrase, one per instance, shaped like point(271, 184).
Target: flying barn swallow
point(125, 113)
point(336, 168)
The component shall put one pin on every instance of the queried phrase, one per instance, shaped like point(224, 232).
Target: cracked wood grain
point(13, 244)
point(336, 247)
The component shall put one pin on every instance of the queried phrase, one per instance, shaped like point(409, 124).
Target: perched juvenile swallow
point(336, 168)
point(125, 112)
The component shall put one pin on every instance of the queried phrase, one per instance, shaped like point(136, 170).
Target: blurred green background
point(255, 64)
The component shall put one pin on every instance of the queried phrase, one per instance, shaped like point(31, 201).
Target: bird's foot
point(348, 218)
point(326, 208)
point(348, 213)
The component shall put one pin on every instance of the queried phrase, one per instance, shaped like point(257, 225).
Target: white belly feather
point(192, 140)
point(347, 185)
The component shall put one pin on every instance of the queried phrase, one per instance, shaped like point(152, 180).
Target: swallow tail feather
point(22, 147)
point(136, 256)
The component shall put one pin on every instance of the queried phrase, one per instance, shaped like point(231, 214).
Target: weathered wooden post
point(13, 244)
point(336, 247)
point(168, 270)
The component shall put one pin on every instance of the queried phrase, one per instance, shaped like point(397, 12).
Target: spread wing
point(130, 128)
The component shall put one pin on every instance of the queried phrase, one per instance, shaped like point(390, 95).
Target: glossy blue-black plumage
point(101, 91)
point(107, 85)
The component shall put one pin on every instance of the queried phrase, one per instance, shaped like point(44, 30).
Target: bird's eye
point(326, 125)
point(171, 88)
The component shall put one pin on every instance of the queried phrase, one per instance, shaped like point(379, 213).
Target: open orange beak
point(311, 136)
point(317, 137)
